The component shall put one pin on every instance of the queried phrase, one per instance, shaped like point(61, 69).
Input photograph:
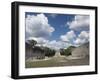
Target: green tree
point(32, 42)
point(49, 52)
point(67, 51)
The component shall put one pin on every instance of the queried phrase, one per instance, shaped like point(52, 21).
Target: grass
point(43, 63)
point(40, 63)
point(56, 62)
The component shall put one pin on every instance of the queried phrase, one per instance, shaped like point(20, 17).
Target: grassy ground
point(57, 61)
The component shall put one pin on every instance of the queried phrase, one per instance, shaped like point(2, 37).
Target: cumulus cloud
point(68, 36)
point(53, 44)
point(38, 26)
point(57, 44)
point(53, 15)
point(40, 40)
point(80, 22)
point(39, 29)
point(83, 37)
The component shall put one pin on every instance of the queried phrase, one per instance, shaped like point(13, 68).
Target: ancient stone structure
point(33, 52)
point(80, 52)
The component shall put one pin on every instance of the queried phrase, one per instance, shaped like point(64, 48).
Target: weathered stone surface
point(34, 52)
point(80, 52)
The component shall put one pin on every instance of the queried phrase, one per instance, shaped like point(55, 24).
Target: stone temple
point(80, 52)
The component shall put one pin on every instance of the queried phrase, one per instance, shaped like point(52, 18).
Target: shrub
point(49, 52)
point(67, 51)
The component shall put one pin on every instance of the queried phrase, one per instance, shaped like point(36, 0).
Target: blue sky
point(68, 29)
point(58, 22)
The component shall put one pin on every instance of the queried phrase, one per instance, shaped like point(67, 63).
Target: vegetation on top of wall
point(49, 52)
point(67, 51)
point(45, 50)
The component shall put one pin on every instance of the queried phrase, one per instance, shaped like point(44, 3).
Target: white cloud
point(68, 36)
point(38, 26)
point(80, 22)
point(53, 44)
point(57, 44)
point(53, 15)
point(84, 34)
point(83, 37)
point(40, 40)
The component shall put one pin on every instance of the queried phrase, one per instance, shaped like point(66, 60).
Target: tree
point(62, 52)
point(67, 51)
point(49, 52)
point(32, 42)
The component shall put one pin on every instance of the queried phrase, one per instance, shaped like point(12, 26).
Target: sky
point(57, 30)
